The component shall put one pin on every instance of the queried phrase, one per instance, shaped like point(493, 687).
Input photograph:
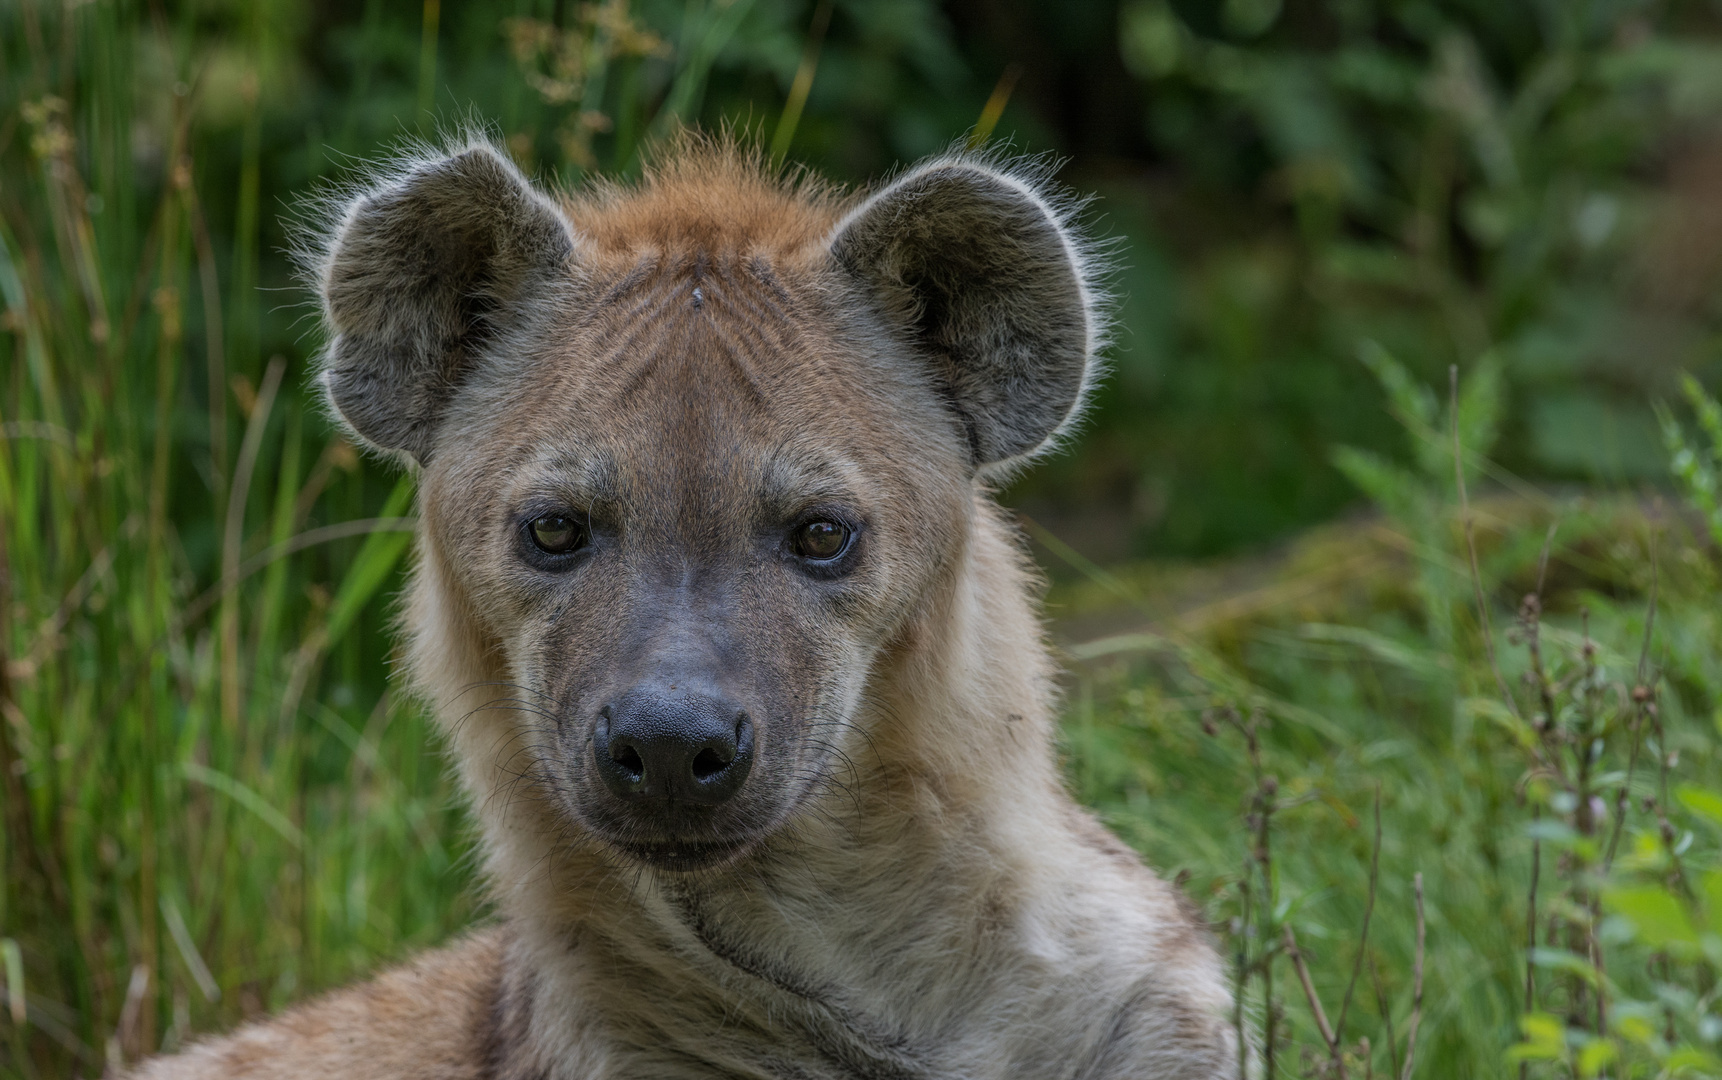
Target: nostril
point(658, 750)
point(708, 763)
point(628, 758)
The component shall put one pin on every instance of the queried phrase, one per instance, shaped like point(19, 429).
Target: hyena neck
point(917, 894)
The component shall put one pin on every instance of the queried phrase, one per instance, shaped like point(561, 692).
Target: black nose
point(673, 747)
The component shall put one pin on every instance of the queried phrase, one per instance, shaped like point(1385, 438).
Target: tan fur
point(910, 891)
point(422, 1019)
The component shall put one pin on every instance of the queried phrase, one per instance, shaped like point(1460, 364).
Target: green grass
point(214, 805)
point(203, 778)
point(1359, 657)
point(1357, 702)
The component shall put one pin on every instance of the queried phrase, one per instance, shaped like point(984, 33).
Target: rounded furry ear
point(423, 267)
point(980, 264)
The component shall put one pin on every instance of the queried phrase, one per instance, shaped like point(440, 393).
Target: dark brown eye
point(821, 541)
point(556, 534)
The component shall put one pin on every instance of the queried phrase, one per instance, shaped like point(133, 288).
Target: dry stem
point(1327, 1032)
point(1416, 985)
point(1386, 1010)
point(1363, 936)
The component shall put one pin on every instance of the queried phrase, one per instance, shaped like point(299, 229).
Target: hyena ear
point(422, 269)
point(983, 268)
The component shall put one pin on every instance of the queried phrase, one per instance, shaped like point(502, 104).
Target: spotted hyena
point(738, 660)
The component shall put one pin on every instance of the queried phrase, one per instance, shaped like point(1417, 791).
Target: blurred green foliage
point(1534, 182)
point(1444, 179)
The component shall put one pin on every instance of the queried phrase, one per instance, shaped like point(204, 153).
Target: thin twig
point(1386, 1009)
point(1581, 936)
point(1596, 959)
point(1471, 541)
point(1266, 788)
point(1650, 612)
point(1623, 794)
point(1643, 699)
point(1533, 630)
point(1531, 926)
point(1368, 911)
point(803, 84)
point(233, 536)
point(1327, 1035)
point(1416, 984)
point(1243, 961)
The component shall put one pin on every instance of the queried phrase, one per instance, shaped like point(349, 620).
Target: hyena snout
point(661, 747)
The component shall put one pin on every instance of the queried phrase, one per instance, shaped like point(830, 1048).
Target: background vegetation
point(1282, 609)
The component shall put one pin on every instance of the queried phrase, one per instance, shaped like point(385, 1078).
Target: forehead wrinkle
point(762, 272)
point(730, 347)
point(755, 301)
point(762, 298)
point(644, 345)
point(642, 271)
point(762, 345)
point(676, 378)
point(739, 326)
point(740, 330)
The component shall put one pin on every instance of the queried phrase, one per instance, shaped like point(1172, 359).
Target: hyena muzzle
point(737, 658)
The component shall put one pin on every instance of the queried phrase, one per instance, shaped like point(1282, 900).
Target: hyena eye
point(821, 541)
point(556, 534)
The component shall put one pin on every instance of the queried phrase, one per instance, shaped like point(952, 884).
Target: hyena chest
point(735, 1010)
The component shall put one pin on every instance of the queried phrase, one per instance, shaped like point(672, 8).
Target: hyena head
point(694, 454)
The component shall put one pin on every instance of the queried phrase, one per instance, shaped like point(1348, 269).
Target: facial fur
point(683, 378)
point(722, 434)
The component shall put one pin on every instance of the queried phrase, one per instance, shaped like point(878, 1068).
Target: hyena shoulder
point(429, 1019)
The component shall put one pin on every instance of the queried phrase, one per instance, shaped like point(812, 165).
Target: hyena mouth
point(683, 857)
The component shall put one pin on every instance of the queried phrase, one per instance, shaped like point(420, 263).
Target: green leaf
point(1495, 712)
point(1660, 918)
point(1545, 1039)
point(1701, 801)
point(377, 557)
point(1411, 402)
point(1712, 894)
point(244, 796)
point(1636, 1028)
point(1388, 485)
point(1708, 409)
point(1597, 1054)
point(1694, 470)
point(1407, 657)
point(13, 960)
point(1150, 39)
point(1569, 962)
point(1690, 1057)
point(1480, 402)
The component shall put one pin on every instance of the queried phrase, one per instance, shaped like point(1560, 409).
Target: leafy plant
point(1451, 180)
point(1657, 906)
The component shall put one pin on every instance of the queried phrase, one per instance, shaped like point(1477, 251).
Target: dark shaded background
point(1532, 182)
